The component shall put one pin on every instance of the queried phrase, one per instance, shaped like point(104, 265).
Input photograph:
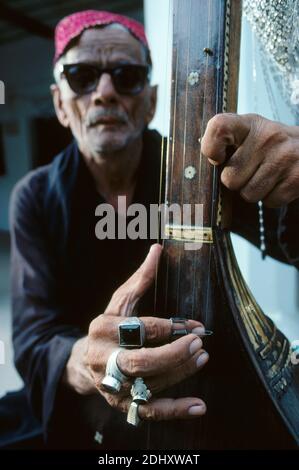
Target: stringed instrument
point(250, 385)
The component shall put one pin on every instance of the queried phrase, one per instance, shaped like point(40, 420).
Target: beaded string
point(262, 230)
point(260, 203)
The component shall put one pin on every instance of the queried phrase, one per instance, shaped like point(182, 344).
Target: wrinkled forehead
point(108, 44)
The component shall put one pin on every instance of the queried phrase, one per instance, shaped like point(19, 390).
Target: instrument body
point(250, 386)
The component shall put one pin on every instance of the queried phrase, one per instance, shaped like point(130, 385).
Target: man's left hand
point(261, 157)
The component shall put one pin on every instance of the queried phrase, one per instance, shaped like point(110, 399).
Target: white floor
point(9, 378)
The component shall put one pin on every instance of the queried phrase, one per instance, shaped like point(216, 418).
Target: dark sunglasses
point(127, 79)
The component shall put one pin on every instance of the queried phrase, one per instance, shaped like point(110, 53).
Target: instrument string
point(189, 102)
point(171, 152)
point(218, 108)
point(186, 109)
point(164, 162)
point(200, 165)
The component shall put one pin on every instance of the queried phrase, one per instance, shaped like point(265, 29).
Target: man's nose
point(105, 91)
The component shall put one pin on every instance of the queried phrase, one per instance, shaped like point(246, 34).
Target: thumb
point(128, 294)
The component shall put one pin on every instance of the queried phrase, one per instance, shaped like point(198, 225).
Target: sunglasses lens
point(130, 79)
point(127, 79)
point(81, 78)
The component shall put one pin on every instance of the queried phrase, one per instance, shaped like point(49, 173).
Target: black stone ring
point(131, 333)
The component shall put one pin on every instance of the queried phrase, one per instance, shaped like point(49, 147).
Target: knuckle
point(174, 412)
point(112, 400)
point(229, 179)
point(154, 329)
point(137, 362)
point(152, 413)
point(93, 360)
point(288, 154)
point(276, 133)
point(92, 332)
point(268, 134)
point(219, 125)
point(96, 327)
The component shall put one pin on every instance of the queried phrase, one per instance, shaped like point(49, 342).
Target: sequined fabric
point(276, 24)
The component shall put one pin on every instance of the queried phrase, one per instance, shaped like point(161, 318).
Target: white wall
point(274, 285)
point(157, 17)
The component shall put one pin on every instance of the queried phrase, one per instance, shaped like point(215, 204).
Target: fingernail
point(202, 359)
point(196, 410)
point(195, 345)
point(199, 330)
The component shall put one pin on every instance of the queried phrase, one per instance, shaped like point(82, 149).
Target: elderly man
point(70, 291)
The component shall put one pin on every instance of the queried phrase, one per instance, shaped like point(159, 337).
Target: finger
point(246, 160)
point(162, 409)
point(147, 362)
point(262, 183)
point(189, 368)
point(157, 330)
point(266, 143)
point(126, 296)
point(224, 131)
point(164, 381)
point(167, 409)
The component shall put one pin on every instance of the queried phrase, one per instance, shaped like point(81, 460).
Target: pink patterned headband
point(73, 25)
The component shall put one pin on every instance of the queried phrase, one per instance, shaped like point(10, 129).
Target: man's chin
point(109, 146)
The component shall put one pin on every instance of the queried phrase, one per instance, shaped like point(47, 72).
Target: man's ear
point(58, 105)
point(152, 103)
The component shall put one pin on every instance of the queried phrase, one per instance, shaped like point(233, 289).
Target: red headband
point(73, 25)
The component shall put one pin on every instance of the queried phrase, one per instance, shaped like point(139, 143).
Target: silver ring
point(139, 391)
point(131, 333)
point(133, 416)
point(182, 327)
point(114, 377)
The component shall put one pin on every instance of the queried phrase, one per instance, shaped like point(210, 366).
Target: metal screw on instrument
point(208, 51)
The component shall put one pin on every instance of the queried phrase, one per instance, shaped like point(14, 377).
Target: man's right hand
point(161, 364)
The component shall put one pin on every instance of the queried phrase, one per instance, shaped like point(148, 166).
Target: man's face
point(105, 121)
